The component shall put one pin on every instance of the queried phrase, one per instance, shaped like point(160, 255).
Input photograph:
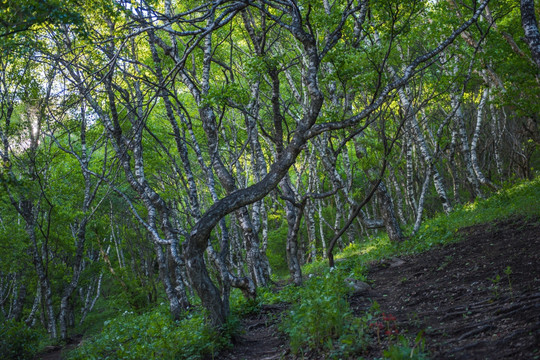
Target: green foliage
point(521, 200)
point(18, 341)
point(403, 350)
point(322, 318)
point(221, 96)
point(242, 305)
point(153, 335)
point(276, 249)
point(21, 15)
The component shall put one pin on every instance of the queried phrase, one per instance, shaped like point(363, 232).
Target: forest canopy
point(170, 151)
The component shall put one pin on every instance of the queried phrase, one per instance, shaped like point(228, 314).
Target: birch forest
point(189, 156)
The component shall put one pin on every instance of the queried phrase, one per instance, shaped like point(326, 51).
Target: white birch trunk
point(467, 153)
point(474, 141)
point(421, 201)
point(426, 154)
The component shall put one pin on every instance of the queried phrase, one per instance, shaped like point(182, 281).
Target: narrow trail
point(59, 352)
point(260, 338)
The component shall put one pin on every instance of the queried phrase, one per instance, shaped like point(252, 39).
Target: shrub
point(153, 335)
point(18, 341)
point(403, 350)
point(322, 317)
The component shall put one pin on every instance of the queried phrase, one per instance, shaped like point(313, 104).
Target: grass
point(521, 200)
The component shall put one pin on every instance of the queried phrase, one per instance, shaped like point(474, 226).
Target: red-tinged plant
point(378, 327)
point(390, 322)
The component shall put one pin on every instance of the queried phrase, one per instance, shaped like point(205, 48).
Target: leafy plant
point(495, 285)
point(154, 335)
point(18, 341)
point(403, 350)
point(508, 272)
point(321, 316)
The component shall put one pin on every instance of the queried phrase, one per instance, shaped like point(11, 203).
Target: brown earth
point(260, 338)
point(454, 296)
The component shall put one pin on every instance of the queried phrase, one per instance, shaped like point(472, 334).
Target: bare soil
point(260, 338)
point(461, 297)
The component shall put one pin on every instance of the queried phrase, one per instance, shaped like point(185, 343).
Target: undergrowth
point(322, 318)
point(18, 341)
point(154, 335)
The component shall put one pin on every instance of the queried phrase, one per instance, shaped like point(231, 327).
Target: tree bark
point(391, 224)
point(467, 154)
point(530, 26)
point(474, 141)
point(41, 271)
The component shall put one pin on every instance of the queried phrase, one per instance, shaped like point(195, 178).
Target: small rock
point(395, 262)
point(357, 285)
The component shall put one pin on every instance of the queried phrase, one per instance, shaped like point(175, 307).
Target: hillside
point(475, 294)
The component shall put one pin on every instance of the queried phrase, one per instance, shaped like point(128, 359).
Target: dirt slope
point(454, 295)
point(451, 293)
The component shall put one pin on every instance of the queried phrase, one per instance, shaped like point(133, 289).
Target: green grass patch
point(521, 200)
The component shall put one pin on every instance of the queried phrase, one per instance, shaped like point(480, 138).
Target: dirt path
point(260, 338)
point(58, 352)
point(454, 295)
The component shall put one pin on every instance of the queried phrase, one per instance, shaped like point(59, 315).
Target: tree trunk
point(387, 209)
point(30, 320)
point(421, 143)
point(530, 26)
point(474, 141)
point(294, 218)
point(19, 298)
point(205, 288)
point(409, 172)
point(44, 282)
point(421, 201)
point(467, 154)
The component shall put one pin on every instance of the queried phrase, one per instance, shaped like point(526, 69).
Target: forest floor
point(260, 338)
point(475, 299)
point(58, 352)
point(458, 295)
